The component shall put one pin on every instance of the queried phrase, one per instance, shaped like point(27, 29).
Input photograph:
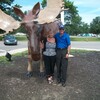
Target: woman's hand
point(41, 45)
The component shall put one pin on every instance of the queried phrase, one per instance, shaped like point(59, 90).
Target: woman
point(49, 56)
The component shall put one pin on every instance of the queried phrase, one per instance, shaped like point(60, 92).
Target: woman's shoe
point(50, 80)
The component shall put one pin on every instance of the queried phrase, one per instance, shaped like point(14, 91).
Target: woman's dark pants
point(49, 62)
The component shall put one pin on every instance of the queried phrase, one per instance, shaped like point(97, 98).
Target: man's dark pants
point(62, 64)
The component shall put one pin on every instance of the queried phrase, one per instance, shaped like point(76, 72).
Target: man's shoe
point(58, 82)
point(64, 84)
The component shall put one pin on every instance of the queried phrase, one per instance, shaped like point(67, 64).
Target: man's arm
point(68, 51)
point(69, 48)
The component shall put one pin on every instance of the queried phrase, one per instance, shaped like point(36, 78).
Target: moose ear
point(36, 9)
point(18, 12)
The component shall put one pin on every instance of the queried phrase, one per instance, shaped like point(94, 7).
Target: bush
point(1, 38)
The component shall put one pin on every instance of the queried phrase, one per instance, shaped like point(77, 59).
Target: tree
point(44, 3)
point(72, 16)
point(84, 28)
point(95, 25)
point(5, 5)
point(74, 27)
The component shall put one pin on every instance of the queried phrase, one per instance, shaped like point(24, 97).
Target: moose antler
point(50, 13)
point(7, 23)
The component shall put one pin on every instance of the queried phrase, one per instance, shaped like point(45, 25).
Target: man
point(63, 50)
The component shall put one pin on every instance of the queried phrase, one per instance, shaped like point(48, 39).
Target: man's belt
point(61, 48)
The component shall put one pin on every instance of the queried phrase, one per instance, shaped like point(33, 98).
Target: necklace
point(50, 39)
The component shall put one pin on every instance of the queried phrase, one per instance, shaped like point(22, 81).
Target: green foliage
point(73, 17)
point(20, 29)
point(44, 3)
point(22, 54)
point(3, 59)
point(95, 25)
point(21, 38)
point(72, 9)
point(74, 27)
point(84, 28)
point(1, 38)
point(5, 5)
point(73, 38)
point(76, 51)
point(8, 2)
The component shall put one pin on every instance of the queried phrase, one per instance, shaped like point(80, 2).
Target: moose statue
point(38, 23)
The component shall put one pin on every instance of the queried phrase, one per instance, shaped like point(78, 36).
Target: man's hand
point(67, 55)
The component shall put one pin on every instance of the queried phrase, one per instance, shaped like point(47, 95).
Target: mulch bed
point(83, 80)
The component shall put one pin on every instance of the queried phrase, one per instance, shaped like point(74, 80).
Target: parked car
point(10, 40)
point(87, 35)
point(98, 35)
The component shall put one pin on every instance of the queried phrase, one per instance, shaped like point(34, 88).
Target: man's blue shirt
point(62, 41)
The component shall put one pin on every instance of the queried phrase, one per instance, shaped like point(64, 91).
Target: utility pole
point(62, 13)
point(62, 17)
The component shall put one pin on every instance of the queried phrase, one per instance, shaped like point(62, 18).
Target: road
point(86, 45)
point(22, 45)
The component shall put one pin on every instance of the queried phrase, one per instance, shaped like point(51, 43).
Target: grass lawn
point(24, 54)
point(75, 38)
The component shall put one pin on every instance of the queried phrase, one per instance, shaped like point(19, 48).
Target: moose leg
point(42, 69)
point(29, 69)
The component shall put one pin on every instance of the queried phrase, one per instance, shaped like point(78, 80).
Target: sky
point(88, 9)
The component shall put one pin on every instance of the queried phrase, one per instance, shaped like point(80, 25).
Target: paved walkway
point(3, 52)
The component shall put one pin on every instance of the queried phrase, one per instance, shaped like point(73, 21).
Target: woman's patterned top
point(50, 49)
